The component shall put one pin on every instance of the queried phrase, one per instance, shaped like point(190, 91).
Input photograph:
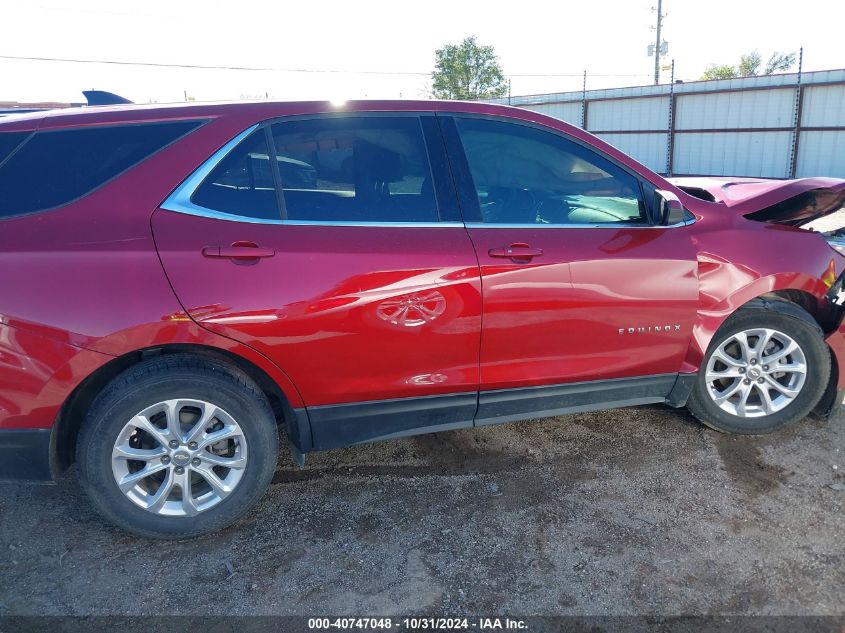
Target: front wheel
point(764, 370)
point(177, 446)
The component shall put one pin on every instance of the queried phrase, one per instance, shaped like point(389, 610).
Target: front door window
point(524, 175)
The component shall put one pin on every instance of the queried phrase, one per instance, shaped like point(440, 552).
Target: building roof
point(738, 83)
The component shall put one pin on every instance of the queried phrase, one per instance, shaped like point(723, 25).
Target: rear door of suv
point(333, 245)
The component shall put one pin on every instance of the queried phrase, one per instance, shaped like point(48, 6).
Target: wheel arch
point(810, 304)
point(75, 407)
point(806, 302)
point(780, 290)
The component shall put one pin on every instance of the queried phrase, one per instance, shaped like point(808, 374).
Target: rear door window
point(242, 183)
point(355, 169)
point(55, 167)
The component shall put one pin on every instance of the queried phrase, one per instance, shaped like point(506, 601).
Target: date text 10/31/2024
point(418, 624)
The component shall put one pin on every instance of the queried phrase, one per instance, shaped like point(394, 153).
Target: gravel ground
point(631, 511)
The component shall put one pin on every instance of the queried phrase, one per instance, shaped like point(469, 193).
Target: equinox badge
point(650, 328)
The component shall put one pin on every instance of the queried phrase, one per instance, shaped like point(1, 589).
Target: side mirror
point(670, 210)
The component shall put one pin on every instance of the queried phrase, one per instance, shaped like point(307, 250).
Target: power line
point(276, 69)
point(204, 67)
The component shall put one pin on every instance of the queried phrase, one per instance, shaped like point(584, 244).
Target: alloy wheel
point(756, 372)
point(179, 457)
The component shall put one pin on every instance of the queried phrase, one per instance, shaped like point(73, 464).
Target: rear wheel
point(177, 446)
point(764, 370)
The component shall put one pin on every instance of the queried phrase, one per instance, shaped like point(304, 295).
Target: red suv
point(181, 281)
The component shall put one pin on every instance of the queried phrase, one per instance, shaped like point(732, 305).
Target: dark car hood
point(793, 202)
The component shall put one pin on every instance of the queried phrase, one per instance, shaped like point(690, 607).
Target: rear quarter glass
point(53, 168)
point(9, 141)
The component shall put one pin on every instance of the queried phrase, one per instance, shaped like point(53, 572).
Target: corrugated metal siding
point(821, 154)
point(629, 114)
point(764, 154)
point(650, 149)
point(824, 106)
point(569, 112)
point(689, 87)
point(728, 107)
point(755, 108)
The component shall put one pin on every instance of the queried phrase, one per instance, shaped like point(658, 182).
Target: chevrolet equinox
point(180, 283)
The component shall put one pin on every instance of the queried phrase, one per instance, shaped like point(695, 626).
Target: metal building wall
point(777, 126)
point(761, 154)
point(569, 112)
point(649, 148)
point(822, 150)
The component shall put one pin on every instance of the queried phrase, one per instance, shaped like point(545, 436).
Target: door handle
point(516, 251)
point(239, 251)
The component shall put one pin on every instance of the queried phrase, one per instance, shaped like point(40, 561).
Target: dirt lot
point(630, 511)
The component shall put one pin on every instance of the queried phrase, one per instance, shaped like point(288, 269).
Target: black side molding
point(509, 405)
point(681, 390)
point(299, 430)
point(332, 426)
point(338, 425)
point(25, 455)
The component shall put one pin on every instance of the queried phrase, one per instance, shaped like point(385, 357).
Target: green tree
point(779, 62)
point(719, 72)
point(749, 66)
point(467, 71)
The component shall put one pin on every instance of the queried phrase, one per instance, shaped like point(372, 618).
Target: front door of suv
point(577, 285)
point(332, 246)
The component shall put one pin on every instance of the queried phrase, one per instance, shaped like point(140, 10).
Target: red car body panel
point(37, 373)
point(559, 318)
point(727, 281)
point(328, 305)
point(112, 273)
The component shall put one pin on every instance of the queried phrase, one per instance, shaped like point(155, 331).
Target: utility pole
point(657, 42)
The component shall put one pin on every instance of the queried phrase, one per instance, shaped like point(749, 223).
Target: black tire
point(795, 323)
point(156, 380)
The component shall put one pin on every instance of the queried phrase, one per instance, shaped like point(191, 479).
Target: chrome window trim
point(217, 215)
point(608, 225)
point(180, 200)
